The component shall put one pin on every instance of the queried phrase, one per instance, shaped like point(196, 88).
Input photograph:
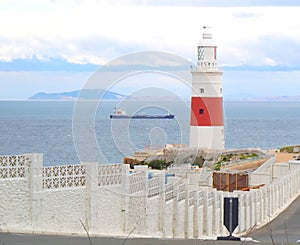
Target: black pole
point(231, 217)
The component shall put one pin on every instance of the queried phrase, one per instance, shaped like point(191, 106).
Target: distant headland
point(92, 94)
point(87, 94)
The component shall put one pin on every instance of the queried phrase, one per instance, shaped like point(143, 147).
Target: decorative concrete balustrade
point(13, 166)
point(109, 174)
point(111, 200)
point(66, 176)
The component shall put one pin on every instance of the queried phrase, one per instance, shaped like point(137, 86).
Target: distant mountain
point(280, 98)
point(239, 97)
point(250, 97)
point(88, 94)
point(95, 94)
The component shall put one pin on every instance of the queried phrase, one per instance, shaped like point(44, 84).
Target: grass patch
point(287, 149)
point(223, 159)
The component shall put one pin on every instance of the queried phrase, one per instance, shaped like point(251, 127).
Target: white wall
point(110, 201)
point(14, 193)
point(153, 220)
point(263, 174)
point(14, 204)
point(63, 210)
point(109, 211)
point(280, 169)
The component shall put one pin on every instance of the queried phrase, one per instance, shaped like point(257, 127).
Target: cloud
point(283, 50)
point(199, 3)
point(254, 41)
point(83, 32)
point(270, 49)
point(78, 35)
point(34, 65)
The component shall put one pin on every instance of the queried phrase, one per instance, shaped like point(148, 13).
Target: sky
point(56, 45)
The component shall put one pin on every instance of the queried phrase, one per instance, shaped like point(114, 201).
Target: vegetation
point(247, 155)
point(288, 149)
point(159, 164)
point(198, 161)
point(217, 167)
point(223, 159)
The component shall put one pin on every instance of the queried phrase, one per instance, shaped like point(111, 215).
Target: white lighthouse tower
point(207, 120)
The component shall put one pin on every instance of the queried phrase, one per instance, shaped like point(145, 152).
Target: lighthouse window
point(201, 111)
point(221, 91)
point(201, 90)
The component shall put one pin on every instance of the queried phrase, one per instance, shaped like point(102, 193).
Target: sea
point(69, 132)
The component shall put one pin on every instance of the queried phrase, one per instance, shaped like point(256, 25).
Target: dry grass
point(245, 165)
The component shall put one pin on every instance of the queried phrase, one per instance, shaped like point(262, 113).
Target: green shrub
point(159, 164)
point(218, 166)
point(229, 157)
point(199, 160)
point(287, 149)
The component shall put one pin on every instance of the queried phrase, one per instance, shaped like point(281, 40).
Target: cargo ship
point(121, 114)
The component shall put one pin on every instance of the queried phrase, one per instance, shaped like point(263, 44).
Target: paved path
point(15, 239)
point(285, 229)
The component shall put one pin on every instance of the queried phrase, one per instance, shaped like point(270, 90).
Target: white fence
point(109, 200)
point(258, 207)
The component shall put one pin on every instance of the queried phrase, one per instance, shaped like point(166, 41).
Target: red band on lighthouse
point(207, 111)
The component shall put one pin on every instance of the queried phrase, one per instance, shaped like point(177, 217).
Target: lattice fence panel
point(153, 186)
point(192, 195)
point(136, 182)
point(110, 174)
point(201, 198)
point(13, 166)
point(181, 192)
point(66, 176)
point(169, 192)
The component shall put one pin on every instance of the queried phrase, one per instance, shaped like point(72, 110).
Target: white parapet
point(109, 200)
point(263, 174)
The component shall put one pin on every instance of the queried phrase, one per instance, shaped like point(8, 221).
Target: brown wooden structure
point(230, 181)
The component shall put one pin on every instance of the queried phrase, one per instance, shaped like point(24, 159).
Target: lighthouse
point(207, 119)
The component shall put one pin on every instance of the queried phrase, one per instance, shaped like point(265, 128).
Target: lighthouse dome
point(207, 39)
